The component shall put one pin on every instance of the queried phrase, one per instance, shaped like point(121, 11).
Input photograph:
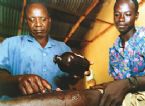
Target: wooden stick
point(21, 18)
point(74, 28)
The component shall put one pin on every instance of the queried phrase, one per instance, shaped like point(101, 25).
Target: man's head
point(38, 20)
point(125, 14)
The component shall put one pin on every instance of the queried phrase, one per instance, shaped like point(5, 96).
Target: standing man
point(26, 62)
point(127, 59)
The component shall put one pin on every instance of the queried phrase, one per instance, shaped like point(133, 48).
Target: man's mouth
point(121, 26)
point(39, 31)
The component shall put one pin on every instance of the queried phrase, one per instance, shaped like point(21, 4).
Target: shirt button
point(44, 54)
point(44, 69)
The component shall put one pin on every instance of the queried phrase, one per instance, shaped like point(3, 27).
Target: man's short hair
point(29, 4)
point(135, 3)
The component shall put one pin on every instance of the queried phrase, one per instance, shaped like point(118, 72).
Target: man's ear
point(49, 19)
point(137, 14)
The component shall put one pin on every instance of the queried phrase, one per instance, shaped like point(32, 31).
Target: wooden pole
point(74, 28)
point(21, 18)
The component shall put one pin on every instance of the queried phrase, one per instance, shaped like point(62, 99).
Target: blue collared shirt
point(24, 55)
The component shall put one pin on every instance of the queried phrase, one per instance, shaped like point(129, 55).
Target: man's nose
point(122, 18)
point(38, 22)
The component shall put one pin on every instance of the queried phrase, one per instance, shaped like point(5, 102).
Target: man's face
point(125, 15)
point(38, 20)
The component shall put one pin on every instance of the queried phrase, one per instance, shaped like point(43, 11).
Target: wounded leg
point(64, 98)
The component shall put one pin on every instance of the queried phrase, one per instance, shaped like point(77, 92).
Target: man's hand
point(114, 92)
point(30, 84)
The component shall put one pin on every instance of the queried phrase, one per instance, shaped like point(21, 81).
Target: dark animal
point(72, 63)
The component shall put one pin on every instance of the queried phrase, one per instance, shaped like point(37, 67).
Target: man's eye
point(43, 19)
point(128, 14)
point(116, 14)
point(32, 19)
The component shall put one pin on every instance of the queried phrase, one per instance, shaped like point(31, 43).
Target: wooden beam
point(21, 18)
point(74, 28)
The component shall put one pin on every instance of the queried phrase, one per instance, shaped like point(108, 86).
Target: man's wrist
point(133, 82)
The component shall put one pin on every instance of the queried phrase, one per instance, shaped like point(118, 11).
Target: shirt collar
point(49, 44)
point(132, 41)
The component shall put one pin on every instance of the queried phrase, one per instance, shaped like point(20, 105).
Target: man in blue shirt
point(26, 62)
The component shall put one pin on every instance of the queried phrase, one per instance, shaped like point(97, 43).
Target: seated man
point(127, 59)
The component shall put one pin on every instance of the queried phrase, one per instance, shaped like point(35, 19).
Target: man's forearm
point(137, 83)
point(8, 84)
point(141, 83)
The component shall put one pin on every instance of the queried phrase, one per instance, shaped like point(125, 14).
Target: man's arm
point(139, 84)
point(8, 84)
point(115, 91)
point(21, 84)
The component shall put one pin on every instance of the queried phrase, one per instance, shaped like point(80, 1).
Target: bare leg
point(64, 98)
